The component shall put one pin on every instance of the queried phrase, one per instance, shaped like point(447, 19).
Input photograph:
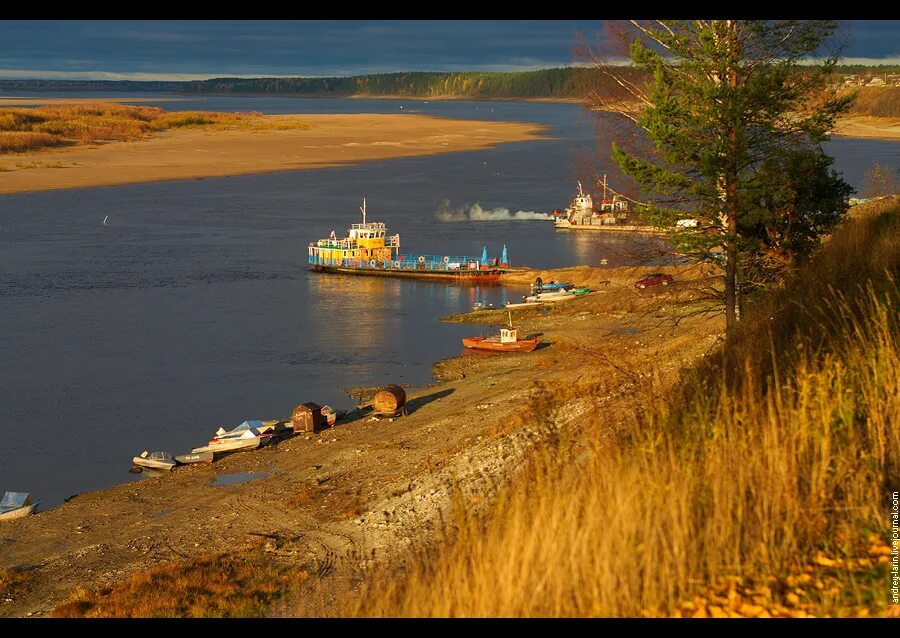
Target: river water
point(193, 308)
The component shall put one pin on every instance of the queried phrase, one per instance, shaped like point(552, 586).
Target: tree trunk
point(731, 204)
point(731, 256)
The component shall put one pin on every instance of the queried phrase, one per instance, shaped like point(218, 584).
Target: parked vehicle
point(655, 279)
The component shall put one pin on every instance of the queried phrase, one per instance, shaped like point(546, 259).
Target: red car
point(653, 280)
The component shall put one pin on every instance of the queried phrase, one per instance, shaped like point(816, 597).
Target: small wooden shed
point(307, 417)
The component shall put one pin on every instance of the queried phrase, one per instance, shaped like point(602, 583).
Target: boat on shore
point(200, 457)
point(249, 440)
point(553, 286)
point(524, 304)
point(16, 505)
point(155, 460)
point(368, 250)
point(550, 297)
point(506, 341)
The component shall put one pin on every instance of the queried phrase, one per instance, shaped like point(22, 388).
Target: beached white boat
point(16, 505)
point(526, 304)
point(249, 440)
point(551, 297)
point(201, 457)
point(262, 427)
point(155, 460)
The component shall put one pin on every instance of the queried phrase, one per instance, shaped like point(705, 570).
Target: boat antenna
point(363, 209)
point(509, 312)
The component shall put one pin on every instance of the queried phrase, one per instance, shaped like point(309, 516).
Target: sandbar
point(869, 127)
point(328, 140)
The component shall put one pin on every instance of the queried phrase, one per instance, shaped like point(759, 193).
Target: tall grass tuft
point(225, 585)
point(783, 447)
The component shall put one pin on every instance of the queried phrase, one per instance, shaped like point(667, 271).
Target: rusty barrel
point(389, 399)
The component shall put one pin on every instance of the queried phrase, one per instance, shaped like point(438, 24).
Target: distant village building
point(876, 82)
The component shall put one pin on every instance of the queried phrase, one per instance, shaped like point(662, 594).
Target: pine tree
point(727, 103)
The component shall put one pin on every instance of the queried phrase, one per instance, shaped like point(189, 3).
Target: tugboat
point(506, 341)
point(368, 250)
point(581, 214)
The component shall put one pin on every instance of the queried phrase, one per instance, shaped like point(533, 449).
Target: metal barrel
point(389, 399)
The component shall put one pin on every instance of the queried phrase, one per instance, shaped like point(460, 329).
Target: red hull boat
point(493, 343)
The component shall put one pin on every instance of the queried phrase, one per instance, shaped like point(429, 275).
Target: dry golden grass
point(771, 459)
point(223, 585)
point(877, 101)
point(9, 579)
point(69, 124)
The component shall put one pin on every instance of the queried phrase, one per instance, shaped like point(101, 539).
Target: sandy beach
point(327, 141)
point(869, 127)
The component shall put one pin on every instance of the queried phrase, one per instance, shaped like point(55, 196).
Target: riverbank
point(281, 142)
point(329, 504)
point(868, 127)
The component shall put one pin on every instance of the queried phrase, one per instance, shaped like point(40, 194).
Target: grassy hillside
point(877, 101)
point(760, 489)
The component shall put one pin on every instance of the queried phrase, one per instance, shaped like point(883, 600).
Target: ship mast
point(363, 209)
point(604, 189)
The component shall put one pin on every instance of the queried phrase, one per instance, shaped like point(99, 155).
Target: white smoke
point(475, 213)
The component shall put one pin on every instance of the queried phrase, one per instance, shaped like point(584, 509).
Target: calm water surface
point(193, 307)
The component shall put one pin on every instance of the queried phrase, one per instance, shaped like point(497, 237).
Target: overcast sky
point(146, 50)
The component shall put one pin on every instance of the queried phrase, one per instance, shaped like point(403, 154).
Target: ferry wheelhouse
point(369, 250)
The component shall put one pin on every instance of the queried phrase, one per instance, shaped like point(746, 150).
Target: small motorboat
point(506, 341)
point(263, 427)
point(524, 304)
point(249, 440)
point(550, 297)
point(155, 460)
point(200, 457)
point(539, 286)
point(16, 505)
point(331, 415)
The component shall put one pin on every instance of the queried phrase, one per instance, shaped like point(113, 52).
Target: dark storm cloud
point(157, 48)
point(281, 47)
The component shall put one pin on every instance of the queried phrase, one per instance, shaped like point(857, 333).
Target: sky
point(187, 50)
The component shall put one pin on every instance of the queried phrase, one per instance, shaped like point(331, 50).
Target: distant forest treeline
point(557, 83)
point(565, 82)
point(546, 83)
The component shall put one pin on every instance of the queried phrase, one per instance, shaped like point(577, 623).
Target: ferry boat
point(369, 250)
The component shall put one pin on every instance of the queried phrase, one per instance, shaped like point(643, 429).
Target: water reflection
point(618, 249)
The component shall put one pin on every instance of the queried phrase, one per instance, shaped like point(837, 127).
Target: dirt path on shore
point(367, 489)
